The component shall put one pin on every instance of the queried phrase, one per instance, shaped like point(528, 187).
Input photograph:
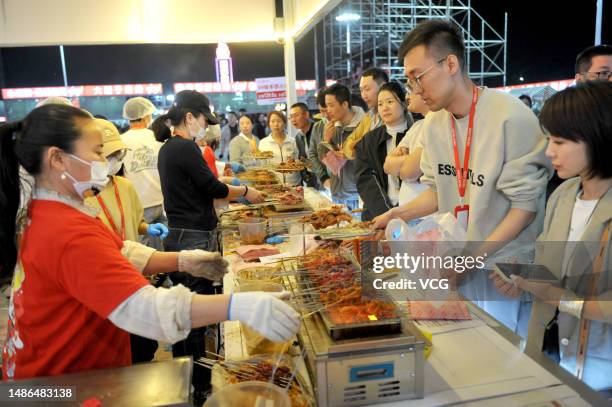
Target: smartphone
point(532, 272)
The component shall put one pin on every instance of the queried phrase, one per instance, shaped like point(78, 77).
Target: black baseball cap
point(190, 99)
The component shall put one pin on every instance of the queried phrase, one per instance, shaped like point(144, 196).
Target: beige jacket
point(348, 147)
point(550, 249)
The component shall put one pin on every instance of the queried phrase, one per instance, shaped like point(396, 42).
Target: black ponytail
point(9, 196)
point(174, 117)
point(399, 92)
point(23, 143)
point(160, 128)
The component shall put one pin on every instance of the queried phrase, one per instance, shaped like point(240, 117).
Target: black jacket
point(372, 182)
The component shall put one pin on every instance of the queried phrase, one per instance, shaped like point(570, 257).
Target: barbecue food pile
point(284, 194)
point(290, 165)
point(258, 176)
point(339, 291)
point(294, 196)
point(327, 217)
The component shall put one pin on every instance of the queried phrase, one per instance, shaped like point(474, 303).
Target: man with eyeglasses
point(594, 64)
point(483, 159)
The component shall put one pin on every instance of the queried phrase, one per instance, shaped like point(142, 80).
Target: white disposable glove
point(201, 263)
point(266, 313)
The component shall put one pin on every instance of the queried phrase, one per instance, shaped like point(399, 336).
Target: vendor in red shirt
point(75, 296)
point(209, 144)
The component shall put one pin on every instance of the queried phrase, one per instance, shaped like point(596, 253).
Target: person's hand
point(237, 168)
point(329, 131)
point(544, 292)
point(505, 288)
point(200, 263)
point(381, 221)
point(157, 230)
point(398, 151)
point(254, 196)
point(327, 183)
point(266, 313)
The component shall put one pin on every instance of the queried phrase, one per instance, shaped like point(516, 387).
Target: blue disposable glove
point(237, 167)
point(235, 182)
point(157, 229)
point(275, 240)
point(243, 201)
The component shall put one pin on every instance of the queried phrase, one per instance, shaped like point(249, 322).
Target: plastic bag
point(438, 227)
point(334, 160)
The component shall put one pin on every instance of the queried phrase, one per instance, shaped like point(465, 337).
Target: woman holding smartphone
point(575, 243)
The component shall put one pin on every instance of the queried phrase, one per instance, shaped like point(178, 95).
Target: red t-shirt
point(70, 276)
point(209, 157)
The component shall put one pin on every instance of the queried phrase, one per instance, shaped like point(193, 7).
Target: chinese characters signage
point(133, 89)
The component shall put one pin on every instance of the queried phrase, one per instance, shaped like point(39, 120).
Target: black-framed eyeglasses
point(411, 84)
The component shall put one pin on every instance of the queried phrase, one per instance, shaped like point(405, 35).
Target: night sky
point(543, 40)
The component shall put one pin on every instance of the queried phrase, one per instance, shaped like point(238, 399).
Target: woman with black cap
point(188, 185)
point(189, 188)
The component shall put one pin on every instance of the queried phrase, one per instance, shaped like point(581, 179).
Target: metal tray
point(362, 329)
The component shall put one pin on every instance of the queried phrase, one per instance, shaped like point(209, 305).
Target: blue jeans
point(187, 239)
point(193, 345)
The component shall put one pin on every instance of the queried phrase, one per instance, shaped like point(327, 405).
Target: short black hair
point(582, 113)
point(321, 96)
point(232, 112)
point(583, 60)
point(397, 89)
point(379, 75)
point(277, 113)
point(442, 37)
point(340, 92)
point(301, 106)
point(528, 98)
point(247, 116)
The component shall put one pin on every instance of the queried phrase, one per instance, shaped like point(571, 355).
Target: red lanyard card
point(462, 213)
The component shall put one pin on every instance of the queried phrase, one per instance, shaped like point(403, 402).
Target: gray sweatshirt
point(318, 168)
point(239, 146)
point(507, 169)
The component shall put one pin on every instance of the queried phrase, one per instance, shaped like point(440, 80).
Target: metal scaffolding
point(373, 39)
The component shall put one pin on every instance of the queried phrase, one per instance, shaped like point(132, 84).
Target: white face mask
point(114, 165)
point(98, 177)
point(201, 134)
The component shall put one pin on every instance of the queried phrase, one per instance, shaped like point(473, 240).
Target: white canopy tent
point(81, 22)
